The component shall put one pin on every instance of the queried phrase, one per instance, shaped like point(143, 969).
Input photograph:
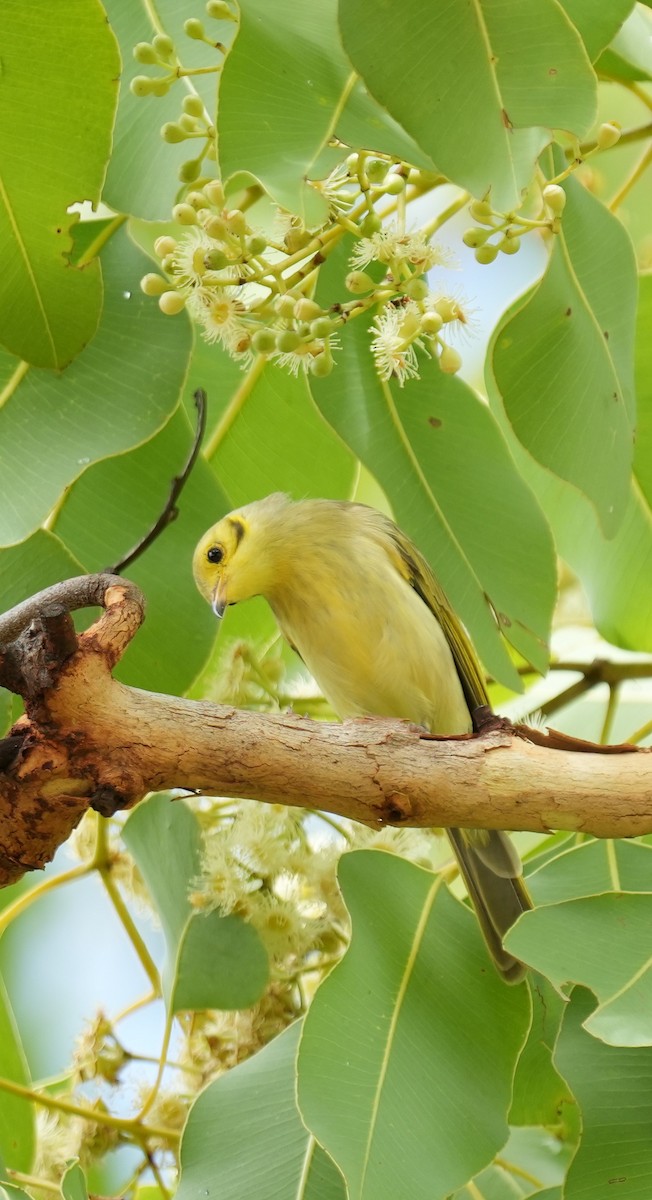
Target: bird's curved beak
point(220, 599)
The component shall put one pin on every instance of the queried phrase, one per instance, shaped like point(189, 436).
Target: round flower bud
point(192, 105)
point(376, 170)
point(394, 184)
point(370, 224)
point(190, 170)
point(144, 53)
point(216, 260)
point(171, 132)
point(352, 164)
point(214, 192)
point(188, 124)
point(481, 210)
point(184, 214)
point(257, 244)
point(197, 199)
point(608, 134)
point(449, 360)
point(160, 87)
point(322, 327)
point(431, 322)
point(284, 306)
point(417, 289)
point(264, 341)
point(165, 245)
point(141, 85)
point(164, 46)
point(219, 11)
point(287, 341)
point(321, 365)
point(194, 29)
point(171, 303)
point(215, 228)
point(509, 245)
point(153, 285)
point(555, 198)
point(236, 222)
point(358, 282)
point(296, 239)
point(475, 237)
point(306, 309)
point(486, 254)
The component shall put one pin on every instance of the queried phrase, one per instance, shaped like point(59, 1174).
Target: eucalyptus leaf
point(17, 1115)
point(263, 1148)
point(603, 865)
point(511, 83)
point(613, 1087)
point(416, 1015)
point(643, 450)
point(212, 961)
point(73, 1182)
point(629, 57)
point(62, 121)
point(539, 1091)
point(597, 22)
point(114, 396)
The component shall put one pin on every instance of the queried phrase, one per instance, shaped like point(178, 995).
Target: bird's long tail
point(491, 870)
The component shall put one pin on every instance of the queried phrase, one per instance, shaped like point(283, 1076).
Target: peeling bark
point(87, 740)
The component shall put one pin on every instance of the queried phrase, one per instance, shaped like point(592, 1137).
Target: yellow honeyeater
point(357, 600)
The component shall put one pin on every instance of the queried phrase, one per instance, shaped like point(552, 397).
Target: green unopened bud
point(376, 169)
point(394, 185)
point(160, 87)
point(171, 303)
point(153, 285)
point(184, 214)
point(215, 228)
point(321, 328)
point(216, 260)
point(321, 365)
point(194, 29)
point(171, 132)
point(296, 239)
point(190, 171)
point(608, 135)
point(197, 199)
point(164, 46)
point(145, 53)
point(417, 289)
point(352, 164)
point(287, 341)
point(475, 237)
point(264, 341)
point(236, 222)
point(486, 254)
point(257, 244)
point(509, 245)
point(193, 106)
point(431, 322)
point(165, 245)
point(284, 306)
point(481, 210)
point(370, 224)
point(214, 192)
point(449, 360)
point(188, 124)
point(555, 198)
point(141, 85)
point(219, 11)
point(306, 309)
point(358, 282)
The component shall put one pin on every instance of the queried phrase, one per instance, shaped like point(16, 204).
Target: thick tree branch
point(88, 740)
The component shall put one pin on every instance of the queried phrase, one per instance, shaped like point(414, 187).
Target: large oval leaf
point(17, 1115)
point(411, 1029)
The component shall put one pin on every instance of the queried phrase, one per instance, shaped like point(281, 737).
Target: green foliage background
point(414, 1072)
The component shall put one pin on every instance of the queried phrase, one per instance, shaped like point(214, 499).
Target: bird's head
point(239, 557)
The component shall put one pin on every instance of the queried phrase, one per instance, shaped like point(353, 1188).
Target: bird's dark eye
point(215, 554)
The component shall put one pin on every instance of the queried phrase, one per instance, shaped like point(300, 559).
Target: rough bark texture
point(88, 740)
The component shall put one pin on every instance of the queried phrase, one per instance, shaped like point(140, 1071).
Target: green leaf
point(613, 1087)
point(598, 22)
point(263, 1148)
point(55, 139)
point(485, 53)
point(563, 362)
point(298, 453)
point(643, 451)
point(142, 177)
point(601, 942)
point(125, 495)
point(73, 1182)
point(593, 867)
point(9, 1192)
point(212, 961)
point(17, 1115)
point(539, 1091)
point(418, 1018)
point(438, 454)
point(629, 56)
point(115, 395)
